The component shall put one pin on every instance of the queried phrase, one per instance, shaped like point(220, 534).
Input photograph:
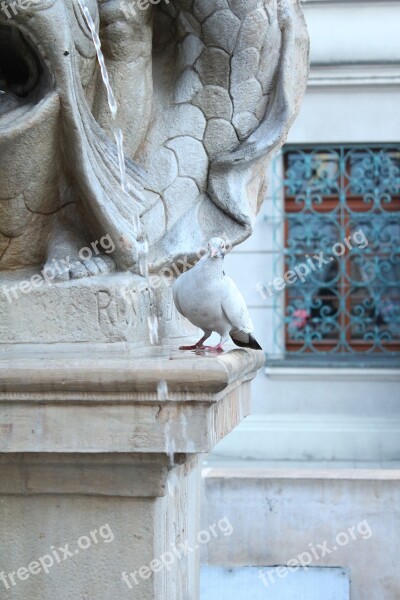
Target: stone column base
point(99, 487)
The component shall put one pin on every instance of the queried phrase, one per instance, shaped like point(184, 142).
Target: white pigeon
point(211, 301)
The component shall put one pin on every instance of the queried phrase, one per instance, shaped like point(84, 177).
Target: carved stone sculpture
point(207, 90)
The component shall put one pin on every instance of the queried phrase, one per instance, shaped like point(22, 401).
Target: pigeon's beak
point(217, 253)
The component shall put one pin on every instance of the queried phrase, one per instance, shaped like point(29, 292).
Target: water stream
point(112, 103)
point(143, 247)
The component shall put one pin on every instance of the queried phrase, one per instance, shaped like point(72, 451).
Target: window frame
point(347, 204)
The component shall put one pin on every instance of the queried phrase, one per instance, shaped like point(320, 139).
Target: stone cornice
point(115, 372)
point(354, 75)
point(305, 373)
point(95, 399)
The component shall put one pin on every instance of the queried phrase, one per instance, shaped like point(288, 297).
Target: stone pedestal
point(99, 485)
point(102, 309)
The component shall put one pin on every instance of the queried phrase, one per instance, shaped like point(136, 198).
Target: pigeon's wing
point(235, 308)
point(175, 294)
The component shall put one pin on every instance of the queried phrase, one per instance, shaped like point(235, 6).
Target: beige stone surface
point(109, 308)
point(312, 506)
point(88, 443)
point(139, 530)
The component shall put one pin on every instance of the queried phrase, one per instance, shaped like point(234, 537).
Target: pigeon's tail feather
point(250, 342)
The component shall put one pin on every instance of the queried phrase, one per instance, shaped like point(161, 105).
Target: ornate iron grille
point(341, 203)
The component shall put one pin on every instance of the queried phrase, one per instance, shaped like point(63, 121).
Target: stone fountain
point(103, 200)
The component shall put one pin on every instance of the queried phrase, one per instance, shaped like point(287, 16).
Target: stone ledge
point(122, 475)
point(104, 400)
point(99, 368)
point(298, 473)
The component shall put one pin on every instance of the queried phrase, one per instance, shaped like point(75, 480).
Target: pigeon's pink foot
point(198, 345)
point(195, 347)
point(214, 349)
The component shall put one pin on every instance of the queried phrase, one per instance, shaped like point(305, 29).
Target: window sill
point(334, 367)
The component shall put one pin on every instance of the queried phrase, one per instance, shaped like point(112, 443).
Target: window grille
point(342, 204)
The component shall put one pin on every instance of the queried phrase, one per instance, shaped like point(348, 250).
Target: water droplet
point(162, 390)
point(189, 445)
point(136, 218)
point(143, 251)
point(173, 483)
point(119, 138)
point(152, 323)
point(169, 444)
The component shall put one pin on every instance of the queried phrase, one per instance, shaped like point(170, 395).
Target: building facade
point(321, 277)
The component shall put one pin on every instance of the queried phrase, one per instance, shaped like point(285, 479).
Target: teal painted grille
point(341, 203)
